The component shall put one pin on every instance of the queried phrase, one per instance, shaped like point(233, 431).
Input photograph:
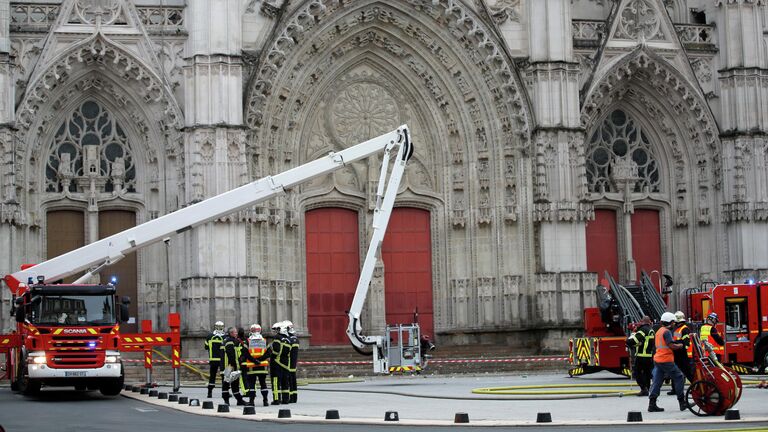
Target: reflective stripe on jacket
point(706, 335)
point(684, 336)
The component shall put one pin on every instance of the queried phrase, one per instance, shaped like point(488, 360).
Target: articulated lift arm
point(111, 249)
point(385, 199)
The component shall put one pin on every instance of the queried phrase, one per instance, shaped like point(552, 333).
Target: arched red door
point(646, 242)
point(333, 267)
point(407, 255)
point(602, 250)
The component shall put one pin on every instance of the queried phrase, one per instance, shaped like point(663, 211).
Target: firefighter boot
point(264, 396)
point(225, 396)
point(652, 407)
point(683, 404)
point(240, 400)
point(294, 398)
point(210, 391)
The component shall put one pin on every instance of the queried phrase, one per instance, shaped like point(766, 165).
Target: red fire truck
point(68, 334)
point(742, 310)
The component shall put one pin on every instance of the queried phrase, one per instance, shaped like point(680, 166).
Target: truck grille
point(75, 352)
point(74, 360)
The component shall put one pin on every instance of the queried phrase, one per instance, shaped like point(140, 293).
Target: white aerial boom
point(111, 249)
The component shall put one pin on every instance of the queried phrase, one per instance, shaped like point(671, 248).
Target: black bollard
point(634, 416)
point(194, 402)
point(144, 390)
point(461, 418)
point(391, 416)
point(127, 387)
point(249, 410)
point(332, 415)
point(284, 413)
point(207, 404)
point(223, 408)
point(732, 414)
point(173, 398)
point(135, 389)
point(162, 395)
point(183, 400)
point(543, 418)
point(153, 393)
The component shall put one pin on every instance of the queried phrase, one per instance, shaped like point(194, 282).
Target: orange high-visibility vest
point(257, 347)
point(663, 352)
point(706, 335)
point(678, 335)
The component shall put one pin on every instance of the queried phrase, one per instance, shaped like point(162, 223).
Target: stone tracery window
point(620, 151)
point(90, 146)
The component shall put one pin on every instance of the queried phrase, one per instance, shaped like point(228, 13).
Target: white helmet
point(218, 326)
point(289, 327)
point(284, 327)
point(679, 316)
point(255, 329)
point(667, 317)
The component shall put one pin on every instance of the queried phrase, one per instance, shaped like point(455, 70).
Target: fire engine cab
point(742, 310)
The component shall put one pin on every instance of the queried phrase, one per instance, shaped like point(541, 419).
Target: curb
point(305, 419)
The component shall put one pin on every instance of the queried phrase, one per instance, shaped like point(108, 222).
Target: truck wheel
point(762, 358)
point(113, 387)
point(28, 386)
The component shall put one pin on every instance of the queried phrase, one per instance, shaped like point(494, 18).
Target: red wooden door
point(646, 241)
point(602, 250)
point(333, 267)
point(407, 255)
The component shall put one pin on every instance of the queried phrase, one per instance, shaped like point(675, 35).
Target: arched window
point(90, 145)
point(619, 149)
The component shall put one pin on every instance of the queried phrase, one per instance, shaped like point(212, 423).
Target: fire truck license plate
point(75, 373)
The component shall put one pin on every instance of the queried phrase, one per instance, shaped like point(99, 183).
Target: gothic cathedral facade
point(556, 140)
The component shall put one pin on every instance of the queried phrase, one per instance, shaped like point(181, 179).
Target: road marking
point(145, 410)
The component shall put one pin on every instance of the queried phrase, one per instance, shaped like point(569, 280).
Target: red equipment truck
point(606, 327)
point(742, 310)
point(68, 334)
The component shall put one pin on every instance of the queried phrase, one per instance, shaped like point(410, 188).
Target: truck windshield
point(73, 310)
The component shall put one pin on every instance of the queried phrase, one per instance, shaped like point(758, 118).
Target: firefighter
point(709, 334)
point(682, 334)
point(230, 366)
point(255, 369)
point(277, 353)
point(293, 359)
point(664, 364)
point(213, 346)
point(641, 342)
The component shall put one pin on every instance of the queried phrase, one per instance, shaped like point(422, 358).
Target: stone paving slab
point(421, 400)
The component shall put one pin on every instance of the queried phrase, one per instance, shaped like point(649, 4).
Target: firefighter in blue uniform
point(213, 347)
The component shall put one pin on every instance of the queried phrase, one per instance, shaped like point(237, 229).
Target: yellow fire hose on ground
point(575, 390)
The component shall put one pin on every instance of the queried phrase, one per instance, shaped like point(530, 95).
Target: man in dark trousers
point(642, 344)
point(213, 347)
point(278, 355)
point(256, 369)
point(664, 364)
point(293, 341)
point(682, 334)
point(230, 366)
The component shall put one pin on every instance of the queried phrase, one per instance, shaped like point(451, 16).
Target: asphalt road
point(66, 410)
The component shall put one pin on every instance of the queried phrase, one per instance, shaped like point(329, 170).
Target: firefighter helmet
point(712, 317)
point(218, 326)
point(680, 316)
point(255, 329)
point(667, 317)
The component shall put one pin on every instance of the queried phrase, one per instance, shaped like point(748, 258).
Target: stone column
point(215, 162)
point(744, 122)
point(560, 182)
